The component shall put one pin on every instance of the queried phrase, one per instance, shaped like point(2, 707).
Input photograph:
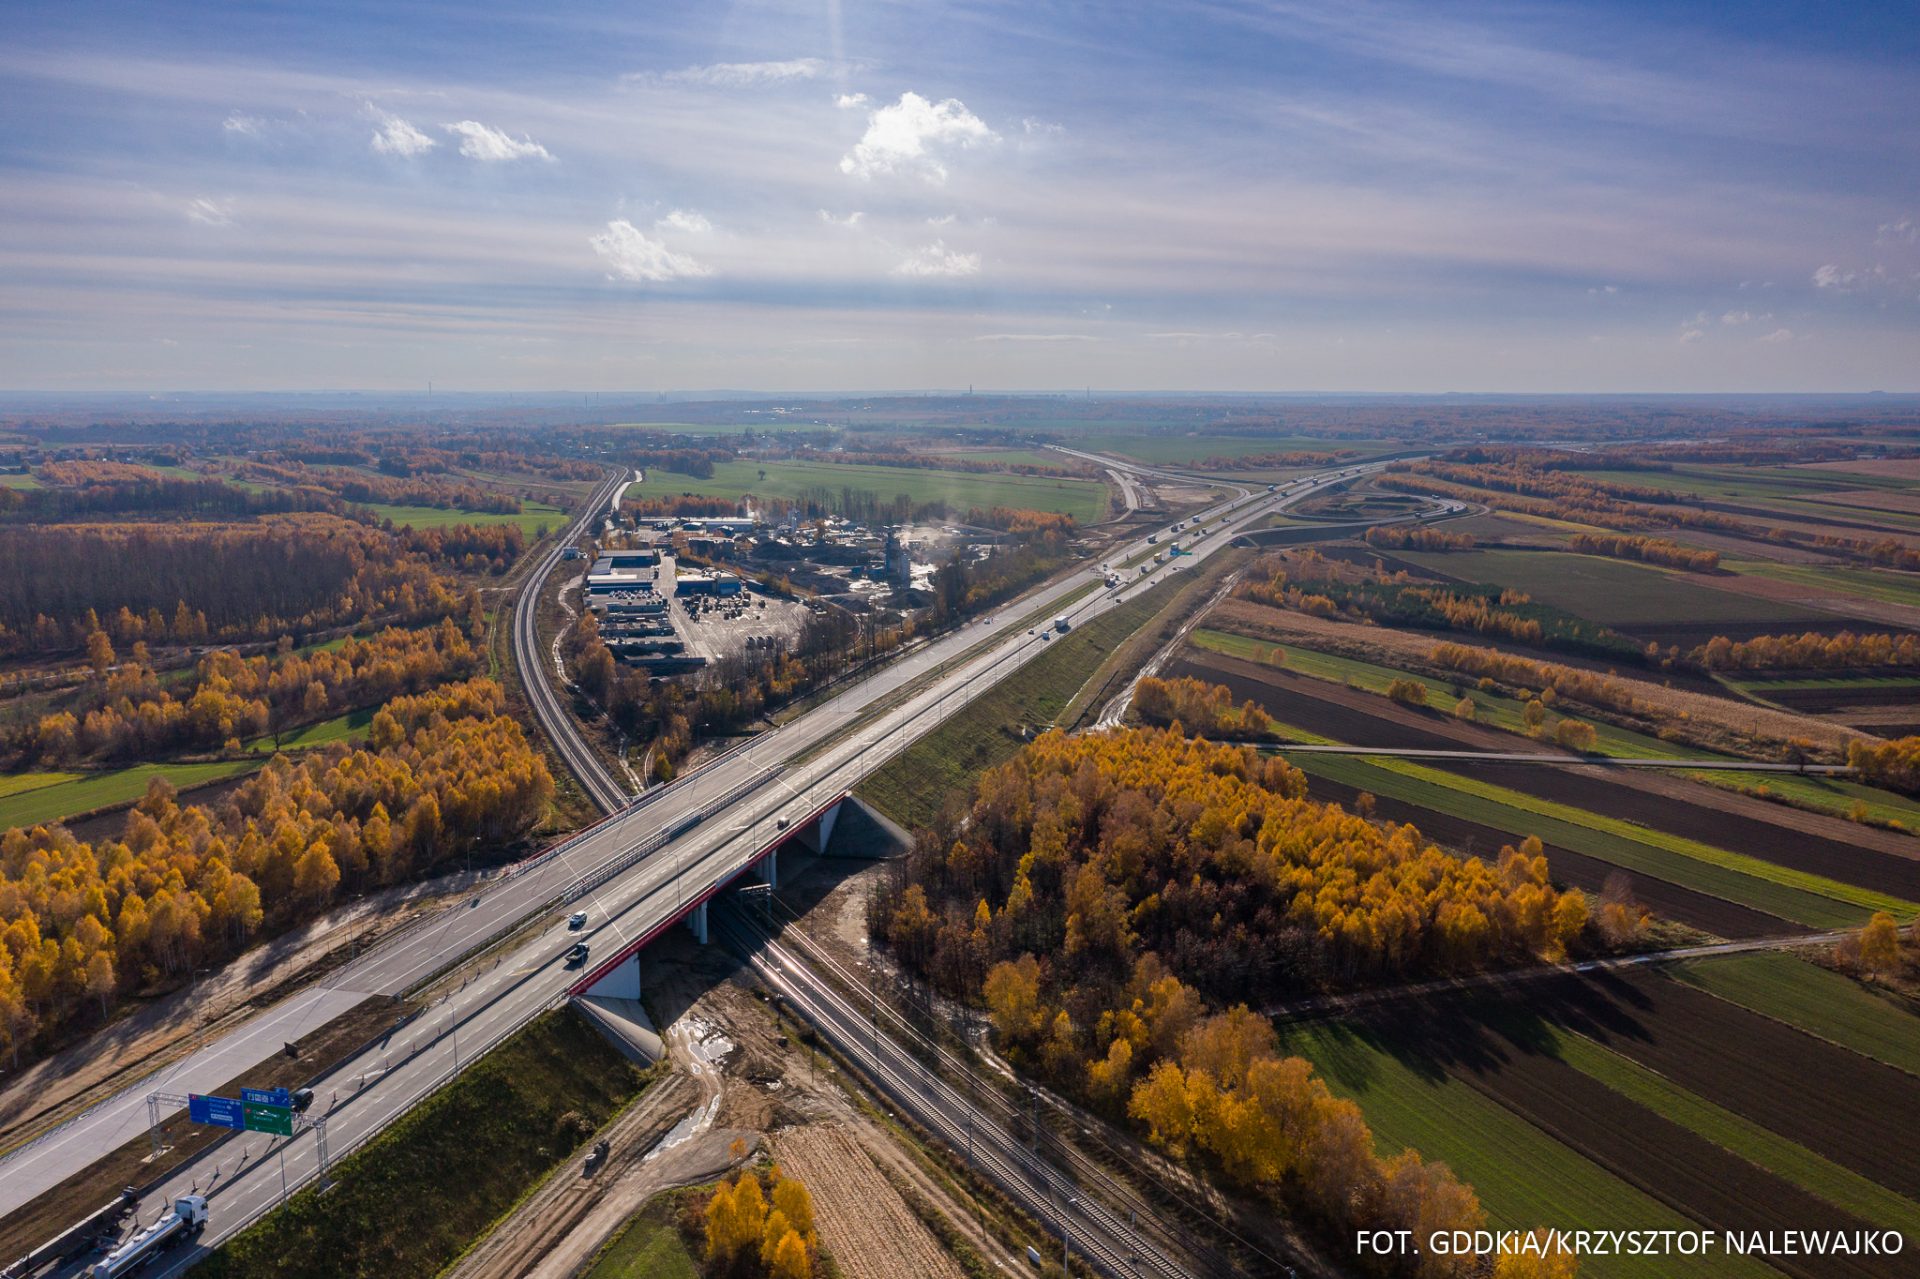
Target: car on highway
point(577, 954)
point(577, 920)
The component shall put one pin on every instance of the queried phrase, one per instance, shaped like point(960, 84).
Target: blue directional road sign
point(266, 1097)
point(221, 1112)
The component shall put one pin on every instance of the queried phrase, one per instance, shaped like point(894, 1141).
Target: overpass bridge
point(617, 976)
point(639, 870)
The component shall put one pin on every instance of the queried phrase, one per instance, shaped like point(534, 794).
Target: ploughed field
point(1752, 1092)
point(1726, 864)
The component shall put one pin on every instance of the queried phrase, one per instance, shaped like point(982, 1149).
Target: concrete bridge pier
point(697, 921)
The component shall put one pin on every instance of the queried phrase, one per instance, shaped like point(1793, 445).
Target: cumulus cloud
point(491, 146)
point(937, 261)
point(210, 212)
point(631, 254)
point(1739, 317)
point(848, 101)
point(246, 126)
point(1778, 335)
point(1832, 277)
point(1691, 335)
point(911, 135)
point(684, 220)
point(850, 220)
point(396, 137)
point(744, 75)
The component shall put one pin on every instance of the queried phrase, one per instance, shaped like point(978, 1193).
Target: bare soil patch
point(864, 1222)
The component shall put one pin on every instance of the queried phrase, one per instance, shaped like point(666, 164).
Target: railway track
point(600, 785)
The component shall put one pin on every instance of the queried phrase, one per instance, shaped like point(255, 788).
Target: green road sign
point(273, 1119)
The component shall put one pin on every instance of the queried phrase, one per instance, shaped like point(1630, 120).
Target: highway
point(728, 812)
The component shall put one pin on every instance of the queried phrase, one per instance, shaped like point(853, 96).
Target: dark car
point(577, 954)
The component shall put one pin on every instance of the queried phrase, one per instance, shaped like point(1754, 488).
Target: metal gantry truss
point(302, 1123)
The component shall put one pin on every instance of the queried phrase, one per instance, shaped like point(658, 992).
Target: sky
point(842, 194)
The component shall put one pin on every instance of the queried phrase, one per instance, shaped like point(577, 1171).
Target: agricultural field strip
point(1524, 1176)
point(1742, 862)
point(1729, 876)
point(1084, 499)
point(21, 783)
point(1875, 584)
point(1829, 795)
point(1491, 709)
point(1814, 1173)
point(1870, 1022)
point(92, 792)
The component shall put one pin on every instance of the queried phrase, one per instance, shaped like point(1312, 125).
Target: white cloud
point(1832, 277)
point(1738, 317)
point(851, 220)
point(905, 138)
point(633, 255)
point(210, 212)
point(848, 101)
point(247, 126)
point(742, 75)
point(936, 260)
point(396, 137)
point(1599, 289)
point(947, 219)
point(1036, 337)
point(684, 220)
point(491, 146)
point(1778, 335)
point(1692, 335)
point(1893, 232)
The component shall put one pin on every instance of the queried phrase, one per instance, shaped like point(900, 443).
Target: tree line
point(1104, 894)
point(183, 886)
point(1810, 650)
point(195, 584)
point(126, 712)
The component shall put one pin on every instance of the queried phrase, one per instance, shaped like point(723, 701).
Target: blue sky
point(837, 194)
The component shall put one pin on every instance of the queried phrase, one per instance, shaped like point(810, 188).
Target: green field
point(1085, 500)
point(1866, 1019)
point(1164, 448)
point(418, 1195)
point(1884, 585)
point(20, 783)
point(532, 518)
point(1611, 592)
point(19, 482)
point(1824, 794)
point(338, 729)
point(1524, 1177)
point(89, 792)
point(647, 1247)
point(1738, 1135)
point(1491, 709)
point(911, 787)
point(1789, 894)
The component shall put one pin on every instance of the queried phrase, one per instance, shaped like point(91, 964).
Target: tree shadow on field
point(1482, 1032)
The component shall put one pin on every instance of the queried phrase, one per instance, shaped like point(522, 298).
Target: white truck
point(1061, 624)
point(183, 1221)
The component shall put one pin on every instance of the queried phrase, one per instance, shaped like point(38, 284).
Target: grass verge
point(412, 1199)
point(648, 1246)
point(911, 787)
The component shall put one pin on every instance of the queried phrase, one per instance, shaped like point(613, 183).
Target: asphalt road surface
point(728, 812)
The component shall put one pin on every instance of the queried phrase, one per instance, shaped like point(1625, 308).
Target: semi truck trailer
point(183, 1221)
